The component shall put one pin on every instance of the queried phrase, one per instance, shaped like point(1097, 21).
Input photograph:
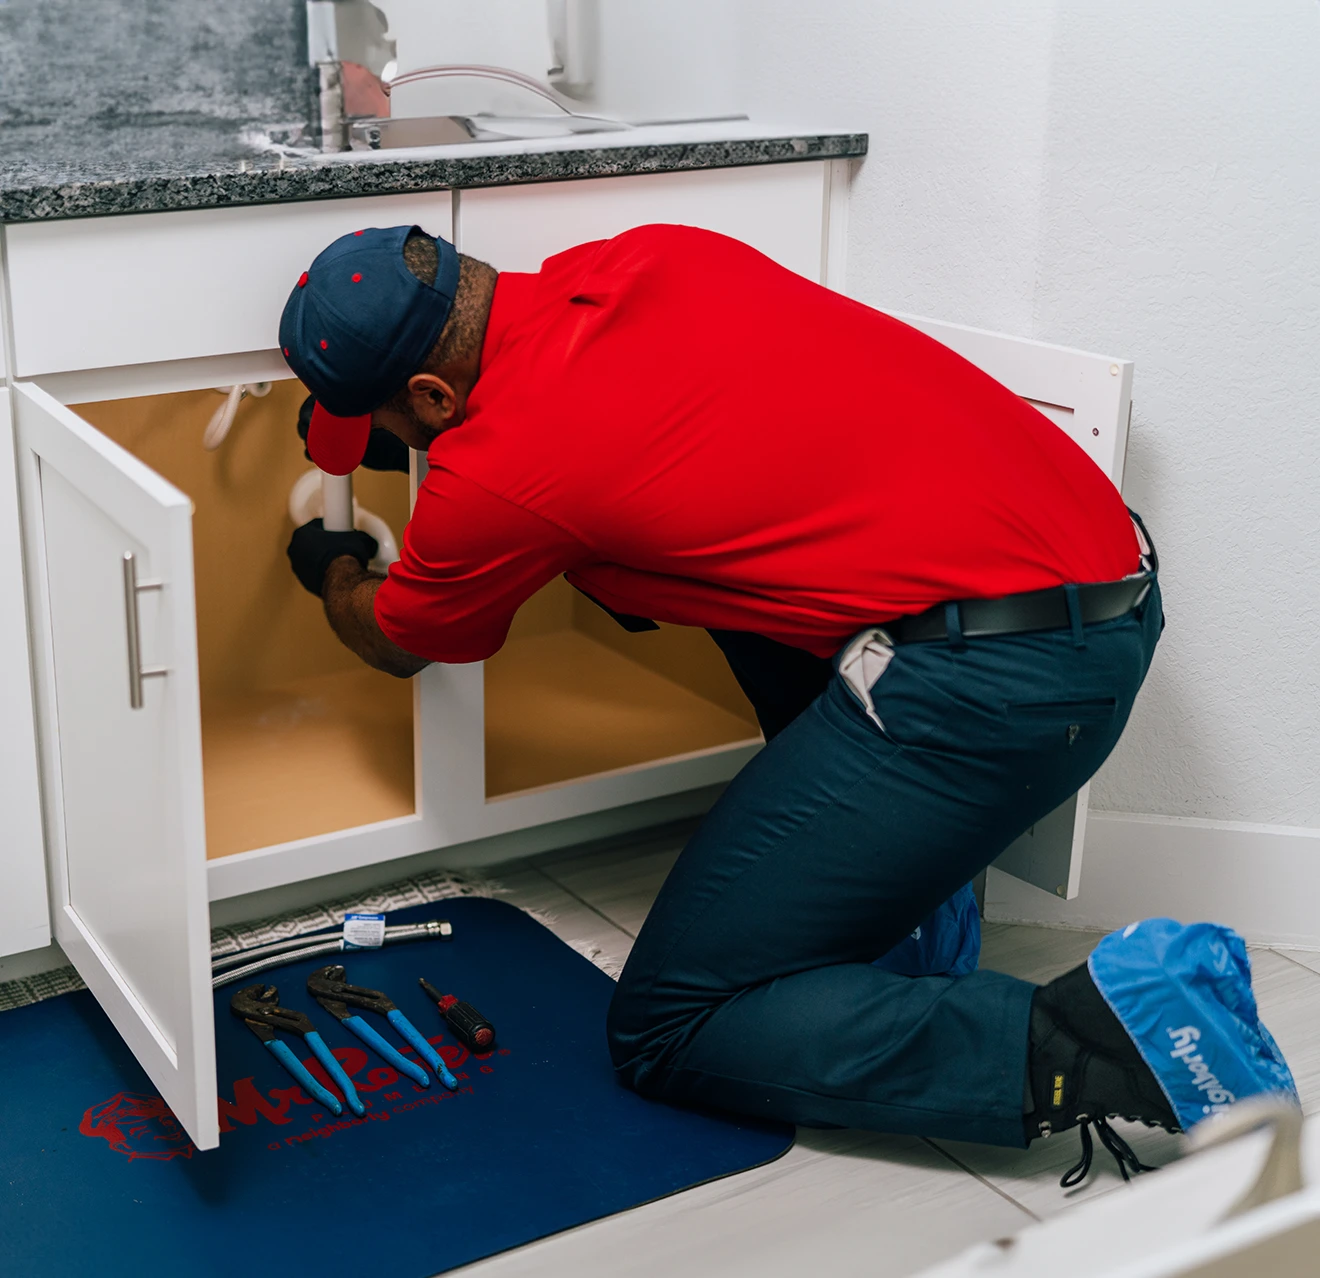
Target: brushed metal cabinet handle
point(132, 588)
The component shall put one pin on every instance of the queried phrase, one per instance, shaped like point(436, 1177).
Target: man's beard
point(428, 433)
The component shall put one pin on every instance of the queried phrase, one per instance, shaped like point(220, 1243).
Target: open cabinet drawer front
point(167, 286)
point(123, 784)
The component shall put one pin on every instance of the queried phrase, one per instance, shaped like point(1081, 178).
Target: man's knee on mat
point(646, 1039)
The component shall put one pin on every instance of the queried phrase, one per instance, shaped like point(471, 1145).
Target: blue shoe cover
point(1183, 993)
point(947, 942)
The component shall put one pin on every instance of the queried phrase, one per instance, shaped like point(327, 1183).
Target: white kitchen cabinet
point(264, 754)
point(24, 908)
point(255, 758)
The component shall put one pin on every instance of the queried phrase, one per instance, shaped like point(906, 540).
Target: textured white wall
point(1143, 180)
point(1181, 226)
point(944, 214)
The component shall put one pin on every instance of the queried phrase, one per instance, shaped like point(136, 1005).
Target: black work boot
point(1084, 1069)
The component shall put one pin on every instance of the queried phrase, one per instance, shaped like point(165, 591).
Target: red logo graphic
point(142, 1126)
point(139, 1126)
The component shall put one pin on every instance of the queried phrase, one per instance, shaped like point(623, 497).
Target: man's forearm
point(349, 595)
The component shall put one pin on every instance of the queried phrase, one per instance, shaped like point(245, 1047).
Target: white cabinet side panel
point(24, 907)
point(111, 291)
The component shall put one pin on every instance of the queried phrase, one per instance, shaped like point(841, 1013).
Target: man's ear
point(433, 399)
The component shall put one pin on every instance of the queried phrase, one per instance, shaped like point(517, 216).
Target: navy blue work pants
point(751, 988)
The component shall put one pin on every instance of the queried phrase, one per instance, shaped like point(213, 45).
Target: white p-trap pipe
point(337, 499)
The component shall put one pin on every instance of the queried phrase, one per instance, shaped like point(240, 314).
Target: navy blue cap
point(359, 323)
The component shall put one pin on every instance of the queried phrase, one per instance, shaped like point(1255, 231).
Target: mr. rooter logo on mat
point(138, 1125)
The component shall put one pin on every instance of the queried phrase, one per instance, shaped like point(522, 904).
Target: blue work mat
point(96, 1177)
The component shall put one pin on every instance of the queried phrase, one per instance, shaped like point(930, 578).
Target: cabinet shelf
point(306, 757)
point(562, 706)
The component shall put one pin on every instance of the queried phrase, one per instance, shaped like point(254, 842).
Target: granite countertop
point(112, 107)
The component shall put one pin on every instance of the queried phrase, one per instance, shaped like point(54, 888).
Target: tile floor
point(847, 1202)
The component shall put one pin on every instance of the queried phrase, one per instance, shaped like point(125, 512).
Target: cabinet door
point(120, 732)
point(1089, 397)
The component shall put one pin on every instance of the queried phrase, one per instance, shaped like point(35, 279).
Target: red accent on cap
point(286, 352)
point(359, 232)
point(357, 279)
point(325, 346)
point(337, 443)
point(302, 280)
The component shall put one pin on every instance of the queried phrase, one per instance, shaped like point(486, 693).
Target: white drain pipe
point(337, 502)
point(331, 498)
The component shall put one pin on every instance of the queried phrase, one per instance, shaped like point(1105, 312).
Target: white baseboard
point(1262, 880)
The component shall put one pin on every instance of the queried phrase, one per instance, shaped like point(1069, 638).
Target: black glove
point(385, 450)
point(312, 550)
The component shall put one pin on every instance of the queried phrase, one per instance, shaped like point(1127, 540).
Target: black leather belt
point(1017, 614)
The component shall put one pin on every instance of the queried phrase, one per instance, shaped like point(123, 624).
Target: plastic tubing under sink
point(331, 497)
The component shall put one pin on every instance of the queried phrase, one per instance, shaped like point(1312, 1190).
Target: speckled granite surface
point(127, 91)
point(139, 106)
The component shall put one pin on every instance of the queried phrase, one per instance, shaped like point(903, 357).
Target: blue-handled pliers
point(259, 1006)
point(328, 987)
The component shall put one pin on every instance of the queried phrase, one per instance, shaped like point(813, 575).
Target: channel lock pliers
point(258, 1005)
point(328, 987)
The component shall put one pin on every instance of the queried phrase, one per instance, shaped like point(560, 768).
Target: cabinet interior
point(299, 738)
point(572, 694)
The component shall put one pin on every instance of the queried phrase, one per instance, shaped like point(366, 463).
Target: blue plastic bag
point(946, 943)
point(1183, 993)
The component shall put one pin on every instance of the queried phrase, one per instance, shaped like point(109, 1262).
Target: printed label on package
point(364, 931)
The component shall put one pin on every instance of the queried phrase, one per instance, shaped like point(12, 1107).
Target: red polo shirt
point(695, 434)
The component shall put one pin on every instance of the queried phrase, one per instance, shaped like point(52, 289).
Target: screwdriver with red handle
point(471, 1029)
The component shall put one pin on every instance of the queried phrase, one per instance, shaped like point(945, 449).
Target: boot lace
point(1129, 1164)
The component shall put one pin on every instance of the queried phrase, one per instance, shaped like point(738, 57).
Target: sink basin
point(390, 134)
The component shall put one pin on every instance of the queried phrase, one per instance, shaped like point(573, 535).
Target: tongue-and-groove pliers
point(259, 1007)
point(329, 988)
